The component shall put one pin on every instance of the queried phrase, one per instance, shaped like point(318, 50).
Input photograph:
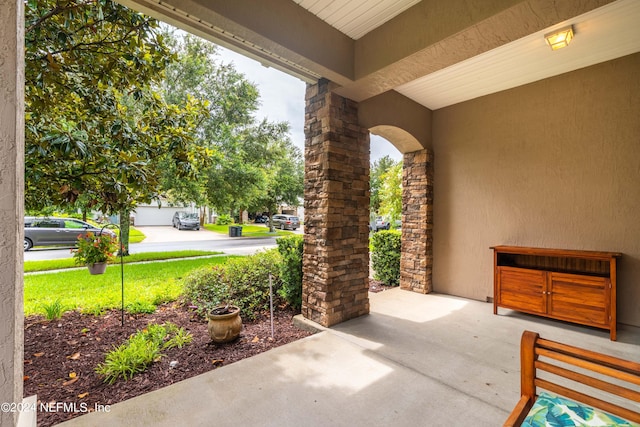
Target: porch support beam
point(336, 200)
point(416, 260)
point(11, 204)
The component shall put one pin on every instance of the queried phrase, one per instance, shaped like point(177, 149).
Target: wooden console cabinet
point(570, 285)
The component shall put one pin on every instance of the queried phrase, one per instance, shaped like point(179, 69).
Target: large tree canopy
point(256, 166)
point(106, 129)
point(95, 127)
point(282, 168)
point(231, 102)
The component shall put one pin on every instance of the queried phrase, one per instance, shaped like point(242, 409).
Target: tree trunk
point(271, 229)
point(125, 223)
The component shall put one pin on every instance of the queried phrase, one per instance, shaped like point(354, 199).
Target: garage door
point(152, 215)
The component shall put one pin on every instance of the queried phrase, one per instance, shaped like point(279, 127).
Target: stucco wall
point(555, 163)
point(11, 200)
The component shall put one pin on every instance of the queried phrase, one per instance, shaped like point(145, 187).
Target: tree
point(378, 168)
point(95, 126)
point(391, 192)
point(282, 167)
point(231, 101)
point(254, 165)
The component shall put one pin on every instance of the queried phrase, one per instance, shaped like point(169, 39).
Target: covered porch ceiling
point(433, 52)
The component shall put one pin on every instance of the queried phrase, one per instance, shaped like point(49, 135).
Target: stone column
point(336, 240)
point(416, 260)
point(11, 203)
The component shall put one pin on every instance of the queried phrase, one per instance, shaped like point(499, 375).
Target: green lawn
point(56, 264)
point(135, 236)
point(145, 286)
point(248, 230)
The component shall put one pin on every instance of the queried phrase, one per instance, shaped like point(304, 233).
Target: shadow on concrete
point(431, 360)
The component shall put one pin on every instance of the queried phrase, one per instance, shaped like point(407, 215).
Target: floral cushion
point(555, 411)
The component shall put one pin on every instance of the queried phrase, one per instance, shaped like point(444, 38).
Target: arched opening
point(416, 217)
point(385, 213)
point(399, 138)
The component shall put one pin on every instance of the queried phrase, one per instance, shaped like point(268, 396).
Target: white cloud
point(281, 95)
point(381, 147)
point(282, 99)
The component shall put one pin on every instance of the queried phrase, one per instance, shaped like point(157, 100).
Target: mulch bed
point(74, 345)
point(376, 286)
point(55, 351)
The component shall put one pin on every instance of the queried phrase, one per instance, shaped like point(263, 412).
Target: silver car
point(285, 222)
point(55, 231)
point(186, 220)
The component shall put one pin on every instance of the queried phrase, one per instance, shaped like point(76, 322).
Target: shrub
point(206, 288)
point(385, 257)
point(141, 350)
point(290, 249)
point(249, 281)
point(224, 220)
point(242, 281)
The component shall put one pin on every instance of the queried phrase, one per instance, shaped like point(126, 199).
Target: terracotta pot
point(224, 327)
point(97, 268)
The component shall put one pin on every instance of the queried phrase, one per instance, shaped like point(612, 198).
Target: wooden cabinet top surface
point(570, 253)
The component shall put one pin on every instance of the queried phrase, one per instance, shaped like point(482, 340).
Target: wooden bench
point(584, 370)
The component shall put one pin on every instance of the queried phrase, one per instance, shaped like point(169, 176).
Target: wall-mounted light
point(560, 38)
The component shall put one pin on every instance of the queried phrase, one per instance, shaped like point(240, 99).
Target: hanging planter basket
point(97, 268)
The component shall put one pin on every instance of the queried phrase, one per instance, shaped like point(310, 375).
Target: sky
point(282, 99)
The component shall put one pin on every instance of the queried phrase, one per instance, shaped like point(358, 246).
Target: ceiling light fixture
point(560, 38)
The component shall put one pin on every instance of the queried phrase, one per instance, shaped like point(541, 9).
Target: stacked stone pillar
point(11, 204)
point(416, 260)
point(336, 252)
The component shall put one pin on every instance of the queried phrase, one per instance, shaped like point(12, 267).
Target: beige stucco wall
point(11, 201)
point(555, 163)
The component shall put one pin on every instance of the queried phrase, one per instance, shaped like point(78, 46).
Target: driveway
point(165, 233)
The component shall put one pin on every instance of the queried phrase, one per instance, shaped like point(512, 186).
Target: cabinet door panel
point(522, 289)
point(579, 298)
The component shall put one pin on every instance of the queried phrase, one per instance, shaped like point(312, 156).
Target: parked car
point(188, 220)
point(261, 219)
point(56, 231)
point(285, 222)
point(381, 224)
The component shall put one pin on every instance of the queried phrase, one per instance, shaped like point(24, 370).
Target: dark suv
point(285, 222)
point(55, 231)
point(186, 220)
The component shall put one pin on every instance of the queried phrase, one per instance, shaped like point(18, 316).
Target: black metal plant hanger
point(121, 251)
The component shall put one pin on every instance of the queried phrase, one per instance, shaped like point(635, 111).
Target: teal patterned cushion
point(555, 411)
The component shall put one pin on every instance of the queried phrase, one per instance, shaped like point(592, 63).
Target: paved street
point(166, 238)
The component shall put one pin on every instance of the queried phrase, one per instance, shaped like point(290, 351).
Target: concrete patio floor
point(416, 360)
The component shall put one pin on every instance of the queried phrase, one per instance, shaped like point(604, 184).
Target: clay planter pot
point(224, 325)
point(97, 268)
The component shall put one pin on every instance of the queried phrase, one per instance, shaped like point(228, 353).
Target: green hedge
point(290, 249)
point(385, 256)
point(242, 281)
